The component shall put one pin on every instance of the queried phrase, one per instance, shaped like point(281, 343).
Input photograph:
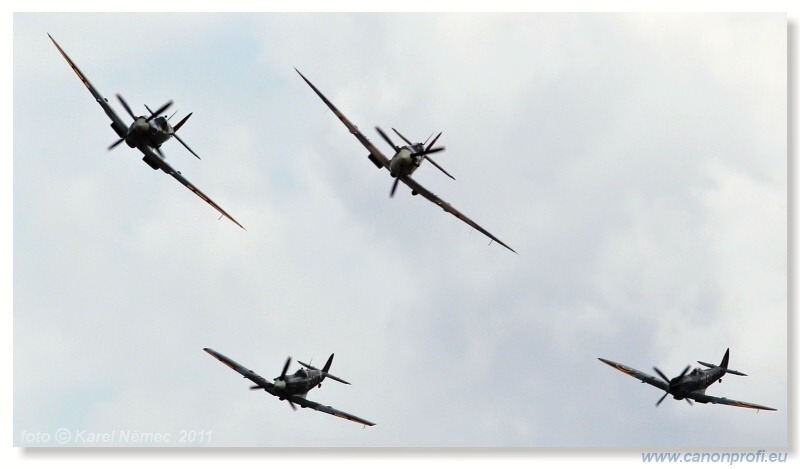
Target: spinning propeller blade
point(125, 105)
point(428, 149)
point(386, 137)
point(670, 382)
point(285, 369)
point(428, 152)
point(663, 376)
point(114, 145)
point(394, 187)
point(163, 108)
point(401, 136)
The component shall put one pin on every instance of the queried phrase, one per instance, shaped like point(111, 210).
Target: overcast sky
point(636, 162)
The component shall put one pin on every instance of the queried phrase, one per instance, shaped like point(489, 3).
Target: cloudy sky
point(636, 162)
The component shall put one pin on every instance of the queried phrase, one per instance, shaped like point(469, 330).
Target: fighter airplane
point(405, 161)
point(292, 388)
point(145, 133)
point(690, 386)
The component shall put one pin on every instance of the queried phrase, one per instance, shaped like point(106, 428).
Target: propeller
point(282, 380)
point(136, 118)
point(670, 382)
point(423, 153)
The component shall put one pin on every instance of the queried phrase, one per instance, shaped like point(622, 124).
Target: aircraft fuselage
point(404, 162)
point(299, 383)
point(697, 380)
point(152, 134)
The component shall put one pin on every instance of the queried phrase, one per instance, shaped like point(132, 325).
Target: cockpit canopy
point(160, 121)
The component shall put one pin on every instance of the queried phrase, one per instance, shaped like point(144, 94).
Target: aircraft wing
point(302, 402)
point(151, 156)
point(704, 399)
point(416, 187)
point(246, 372)
point(116, 123)
point(380, 157)
point(643, 377)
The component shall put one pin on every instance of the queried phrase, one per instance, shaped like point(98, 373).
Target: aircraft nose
point(141, 125)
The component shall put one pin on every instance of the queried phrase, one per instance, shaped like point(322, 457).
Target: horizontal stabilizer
point(328, 375)
point(183, 121)
point(325, 370)
point(733, 372)
point(307, 365)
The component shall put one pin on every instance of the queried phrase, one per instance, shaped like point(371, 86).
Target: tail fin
point(179, 124)
point(328, 364)
point(725, 365)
